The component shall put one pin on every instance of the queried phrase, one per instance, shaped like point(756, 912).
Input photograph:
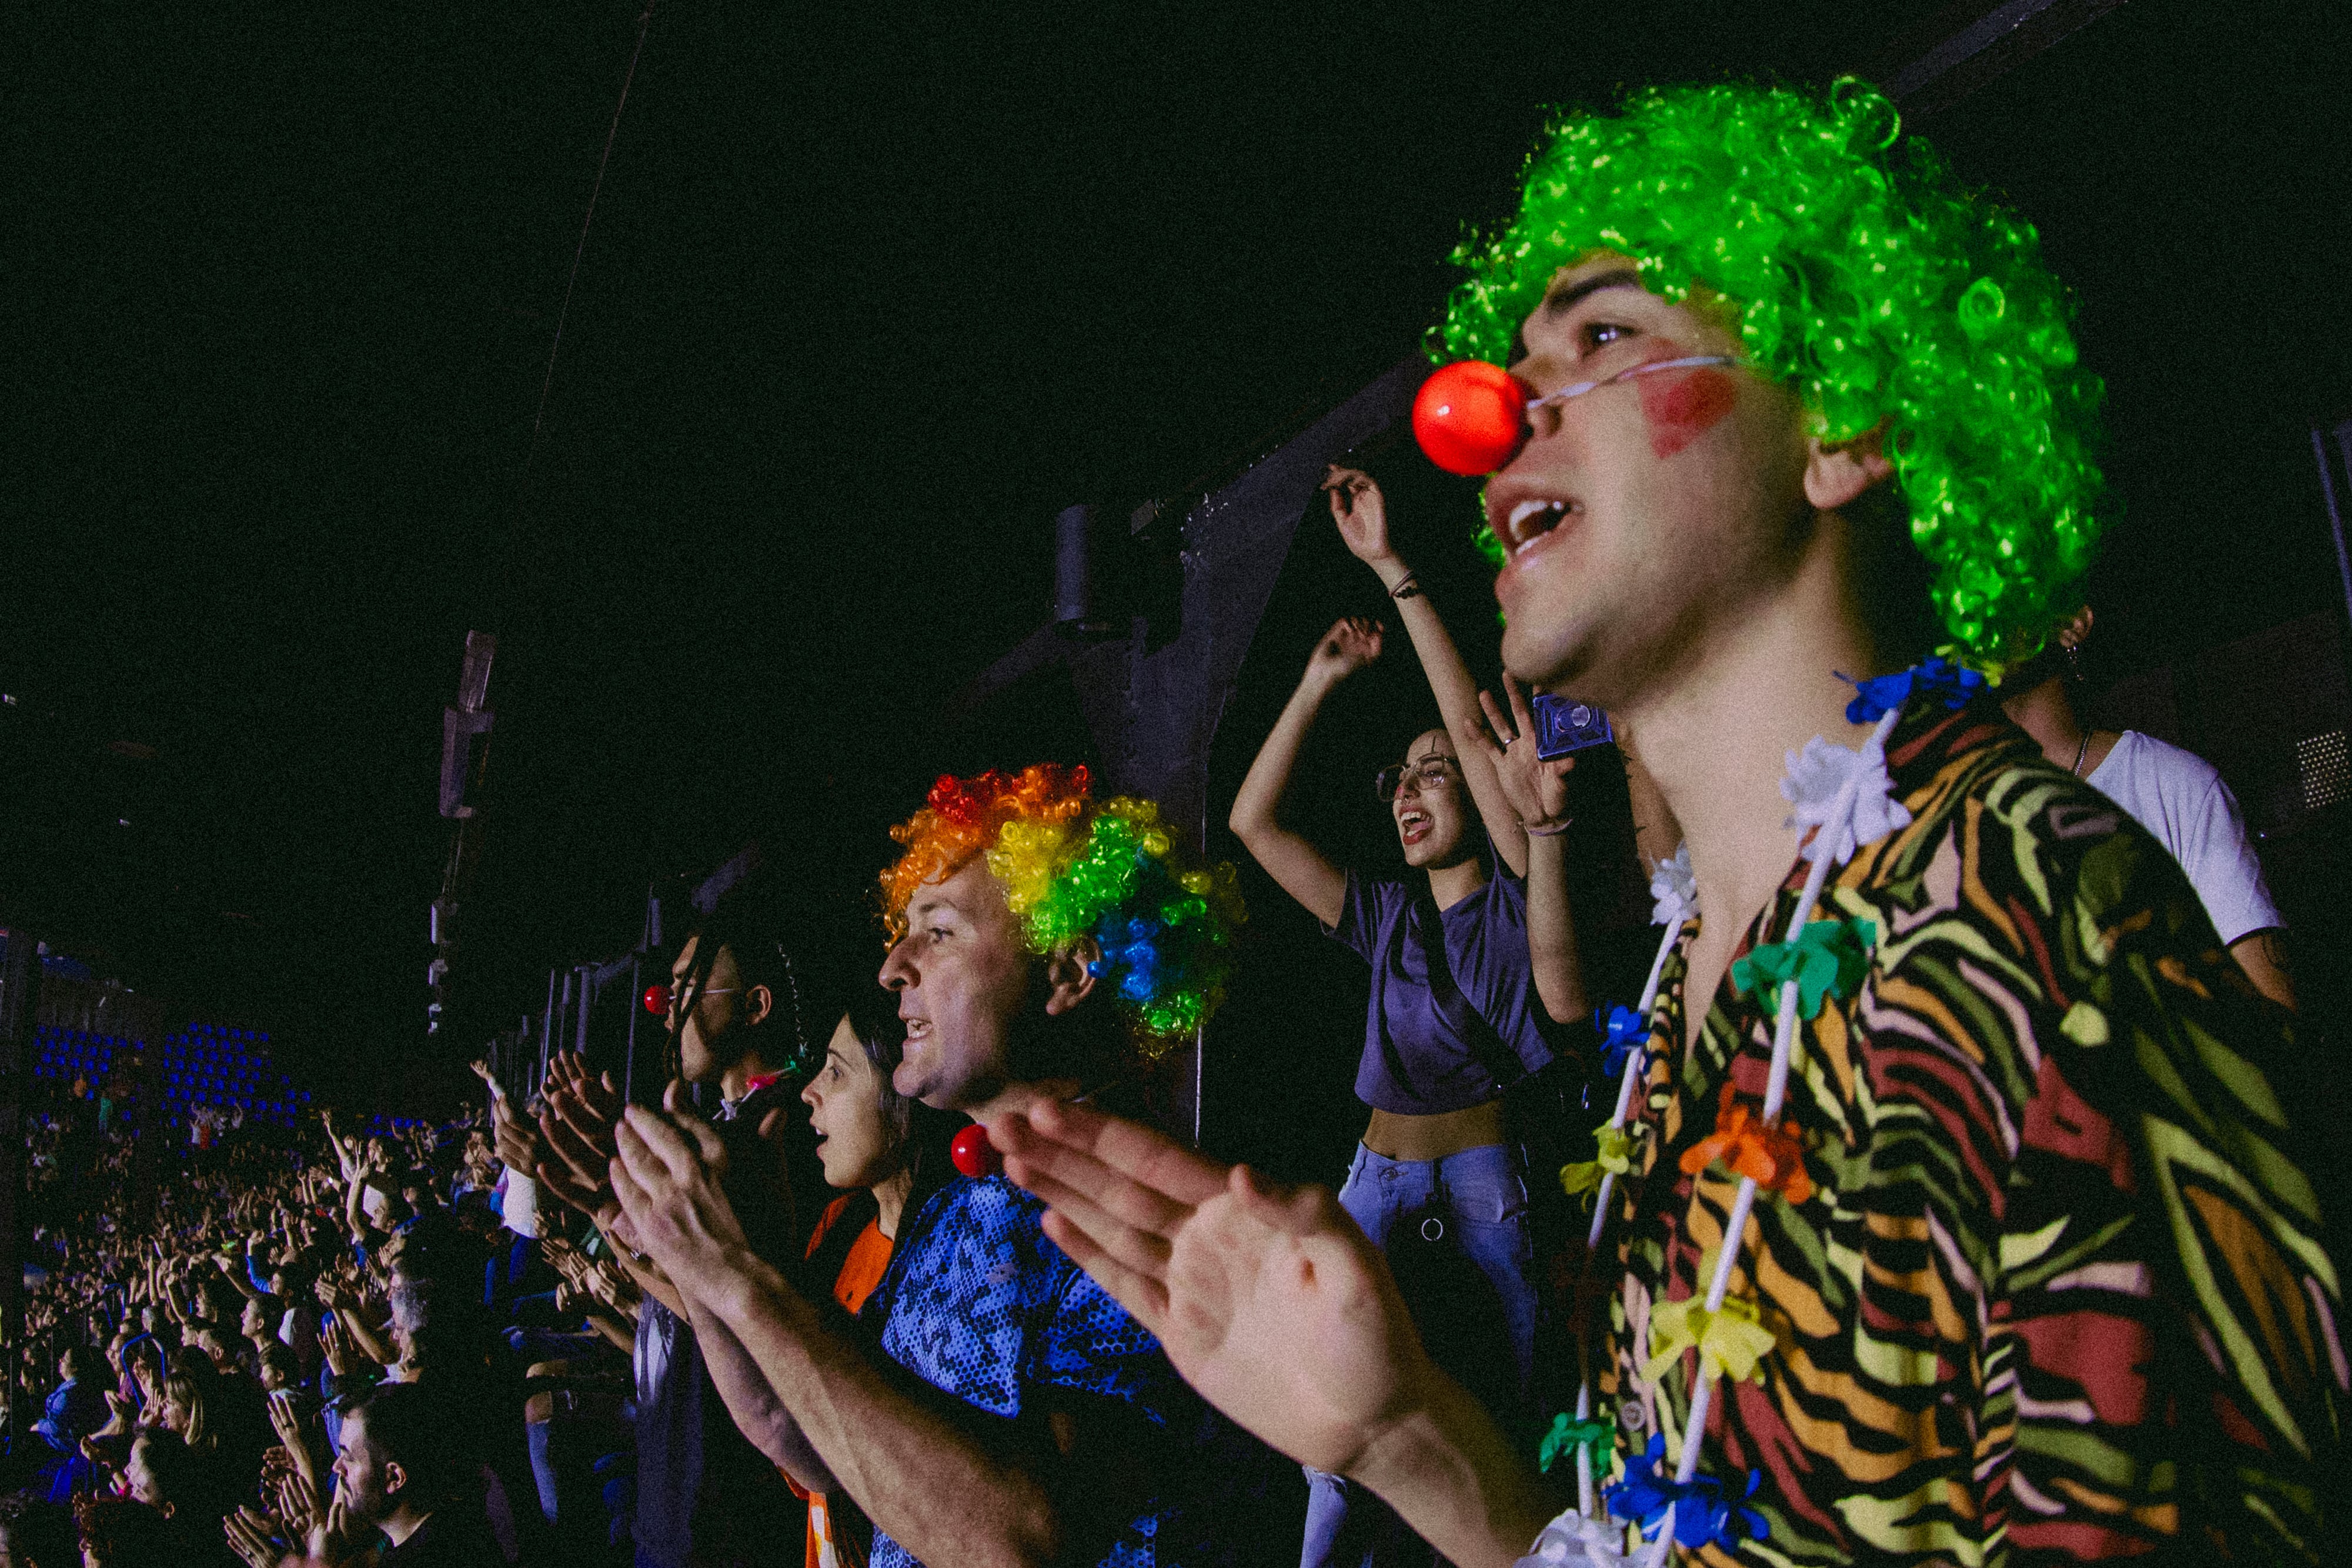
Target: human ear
point(1070, 975)
point(758, 1003)
point(1838, 474)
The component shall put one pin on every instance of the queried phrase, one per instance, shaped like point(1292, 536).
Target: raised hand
point(336, 1345)
point(668, 1174)
point(1362, 513)
point(1350, 644)
point(1271, 1303)
point(1535, 791)
point(346, 1155)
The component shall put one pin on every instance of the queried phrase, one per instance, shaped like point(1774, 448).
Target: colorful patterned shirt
point(979, 1303)
point(2058, 1290)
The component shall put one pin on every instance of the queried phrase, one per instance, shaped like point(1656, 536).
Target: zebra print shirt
point(2059, 1290)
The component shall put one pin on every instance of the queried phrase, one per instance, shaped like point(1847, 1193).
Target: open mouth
point(1414, 826)
point(1534, 520)
point(918, 1029)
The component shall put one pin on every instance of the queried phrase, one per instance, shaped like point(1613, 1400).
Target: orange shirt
point(861, 1270)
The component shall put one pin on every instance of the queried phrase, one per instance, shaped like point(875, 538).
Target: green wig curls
point(1866, 279)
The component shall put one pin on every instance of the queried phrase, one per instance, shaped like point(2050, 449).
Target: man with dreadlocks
point(1964, 1223)
point(1044, 945)
point(705, 1494)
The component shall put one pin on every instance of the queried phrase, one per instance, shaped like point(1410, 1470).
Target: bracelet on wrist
point(1546, 830)
point(1408, 587)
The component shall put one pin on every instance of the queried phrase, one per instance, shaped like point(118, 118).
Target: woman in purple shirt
point(1465, 952)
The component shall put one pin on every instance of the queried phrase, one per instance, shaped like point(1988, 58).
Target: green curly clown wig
point(1864, 278)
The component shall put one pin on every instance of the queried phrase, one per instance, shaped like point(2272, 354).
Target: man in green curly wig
point(1963, 1225)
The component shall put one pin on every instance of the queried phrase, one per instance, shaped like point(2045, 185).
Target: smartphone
point(1563, 725)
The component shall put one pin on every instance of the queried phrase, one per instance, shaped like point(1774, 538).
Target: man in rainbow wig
point(1044, 944)
point(1951, 1211)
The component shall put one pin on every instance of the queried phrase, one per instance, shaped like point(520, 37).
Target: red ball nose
point(1469, 416)
point(657, 1000)
point(972, 1153)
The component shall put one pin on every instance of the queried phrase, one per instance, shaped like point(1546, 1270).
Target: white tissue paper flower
point(1844, 793)
point(1674, 887)
point(1572, 1542)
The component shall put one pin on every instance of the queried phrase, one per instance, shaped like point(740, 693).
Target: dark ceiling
point(867, 299)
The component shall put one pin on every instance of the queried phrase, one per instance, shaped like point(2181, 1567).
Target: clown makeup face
point(1429, 805)
point(962, 975)
point(1643, 519)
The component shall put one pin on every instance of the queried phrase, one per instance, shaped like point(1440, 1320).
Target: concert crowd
point(1937, 1195)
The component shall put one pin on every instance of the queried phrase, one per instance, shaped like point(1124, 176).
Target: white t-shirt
point(2179, 797)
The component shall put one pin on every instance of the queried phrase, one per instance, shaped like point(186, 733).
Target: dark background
point(869, 296)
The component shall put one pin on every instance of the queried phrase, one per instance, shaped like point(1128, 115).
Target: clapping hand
point(252, 1535)
point(301, 1428)
point(669, 1175)
point(1270, 1302)
point(514, 1139)
point(578, 1129)
point(298, 1504)
point(341, 1359)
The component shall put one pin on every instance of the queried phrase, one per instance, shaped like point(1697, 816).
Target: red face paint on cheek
point(1682, 408)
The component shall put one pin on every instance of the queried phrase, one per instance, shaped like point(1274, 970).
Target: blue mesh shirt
point(979, 1303)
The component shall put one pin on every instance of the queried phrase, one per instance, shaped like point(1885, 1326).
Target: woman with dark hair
point(888, 1150)
point(1468, 952)
point(891, 1155)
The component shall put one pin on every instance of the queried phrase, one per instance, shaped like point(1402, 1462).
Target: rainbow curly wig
point(1866, 279)
point(1073, 867)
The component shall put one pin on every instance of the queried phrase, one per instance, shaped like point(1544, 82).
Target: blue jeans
point(1469, 1208)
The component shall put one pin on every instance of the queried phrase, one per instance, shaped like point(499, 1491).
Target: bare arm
point(616, 1332)
point(1537, 792)
point(925, 1481)
point(1302, 870)
point(759, 1415)
point(367, 1338)
point(2263, 956)
point(1361, 512)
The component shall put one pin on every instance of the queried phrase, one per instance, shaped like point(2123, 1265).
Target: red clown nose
point(973, 1155)
point(657, 1000)
point(1470, 415)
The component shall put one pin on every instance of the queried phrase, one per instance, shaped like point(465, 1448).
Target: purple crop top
point(1426, 1052)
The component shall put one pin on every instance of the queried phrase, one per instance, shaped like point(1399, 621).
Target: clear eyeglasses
point(1578, 389)
point(1426, 774)
point(677, 997)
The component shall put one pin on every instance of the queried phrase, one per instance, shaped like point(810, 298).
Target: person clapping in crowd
point(1044, 944)
point(1963, 1219)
